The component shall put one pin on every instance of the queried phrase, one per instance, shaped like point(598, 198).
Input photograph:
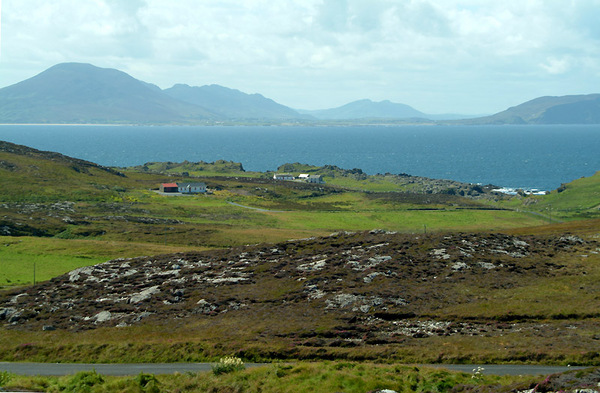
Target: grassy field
point(53, 257)
point(57, 214)
point(319, 377)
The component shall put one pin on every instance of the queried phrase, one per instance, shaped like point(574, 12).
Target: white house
point(303, 176)
point(283, 176)
point(191, 188)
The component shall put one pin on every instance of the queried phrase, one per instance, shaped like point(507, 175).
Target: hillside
point(357, 295)
point(31, 174)
point(82, 93)
point(367, 109)
point(232, 104)
point(574, 109)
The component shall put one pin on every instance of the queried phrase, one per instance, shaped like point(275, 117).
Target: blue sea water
point(530, 157)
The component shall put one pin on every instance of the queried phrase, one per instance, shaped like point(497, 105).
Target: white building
point(191, 188)
point(315, 179)
point(283, 176)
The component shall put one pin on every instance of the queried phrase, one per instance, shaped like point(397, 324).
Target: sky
point(444, 56)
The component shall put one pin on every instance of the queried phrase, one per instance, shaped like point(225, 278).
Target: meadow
point(59, 213)
point(350, 377)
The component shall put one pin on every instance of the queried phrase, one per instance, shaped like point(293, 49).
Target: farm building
point(169, 187)
point(283, 176)
point(191, 188)
point(318, 179)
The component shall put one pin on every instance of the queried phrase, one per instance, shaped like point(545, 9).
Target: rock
point(6, 313)
point(102, 316)
point(143, 295)
point(48, 328)
point(459, 266)
point(371, 276)
point(318, 265)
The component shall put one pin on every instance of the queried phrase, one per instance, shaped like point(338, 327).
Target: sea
point(531, 157)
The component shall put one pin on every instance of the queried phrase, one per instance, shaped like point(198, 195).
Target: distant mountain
point(232, 104)
point(573, 109)
point(83, 93)
point(364, 109)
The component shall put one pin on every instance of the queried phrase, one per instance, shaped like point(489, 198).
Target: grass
point(115, 217)
point(349, 377)
point(579, 199)
point(52, 257)
point(405, 220)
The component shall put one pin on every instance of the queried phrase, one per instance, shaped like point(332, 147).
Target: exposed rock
point(381, 280)
point(143, 295)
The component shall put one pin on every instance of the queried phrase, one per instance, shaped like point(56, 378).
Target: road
point(255, 208)
point(47, 369)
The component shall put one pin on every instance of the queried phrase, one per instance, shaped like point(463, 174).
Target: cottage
point(303, 176)
point(191, 188)
point(317, 179)
point(283, 176)
point(169, 187)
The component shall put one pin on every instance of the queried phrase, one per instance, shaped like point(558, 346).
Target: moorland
point(98, 266)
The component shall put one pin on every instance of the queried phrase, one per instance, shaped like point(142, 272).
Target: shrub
point(83, 381)
point(228, 364)
point(147, 382)
point(5, 378)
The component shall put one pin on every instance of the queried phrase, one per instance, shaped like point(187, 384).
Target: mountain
point(231, 103)
point(363, 109)
point(83, 93)
point(572, 109)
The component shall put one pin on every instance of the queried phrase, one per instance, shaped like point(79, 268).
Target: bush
point(5, 378)
point(83, 381)
point(228, 364)
point(147, 382)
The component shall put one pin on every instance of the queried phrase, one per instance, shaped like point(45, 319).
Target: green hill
point(577, 199)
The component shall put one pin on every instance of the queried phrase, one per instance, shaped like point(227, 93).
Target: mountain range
point(83, 93)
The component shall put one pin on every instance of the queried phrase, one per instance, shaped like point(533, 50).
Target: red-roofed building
point(169, 187)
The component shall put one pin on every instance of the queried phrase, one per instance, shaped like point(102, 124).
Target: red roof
point(169, 184)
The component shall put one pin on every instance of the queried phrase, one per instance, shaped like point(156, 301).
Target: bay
point(529, 156)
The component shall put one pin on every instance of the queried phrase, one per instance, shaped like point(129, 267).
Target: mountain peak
point(84, 93)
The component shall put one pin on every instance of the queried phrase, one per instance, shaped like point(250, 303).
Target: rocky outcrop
point(387, 283)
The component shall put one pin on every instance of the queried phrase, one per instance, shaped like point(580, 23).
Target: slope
point(364, 109)
point(357, 295)
point(572, 109)
point(83, 93)
point(232, 104)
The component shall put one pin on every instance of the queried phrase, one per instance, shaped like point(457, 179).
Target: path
point(256, 208)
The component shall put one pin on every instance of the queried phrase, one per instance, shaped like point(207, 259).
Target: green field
point(22, 257)
point(323, 377)
point(58, 213)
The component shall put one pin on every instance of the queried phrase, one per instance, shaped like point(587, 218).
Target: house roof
point(169, 184)
point(201, 184)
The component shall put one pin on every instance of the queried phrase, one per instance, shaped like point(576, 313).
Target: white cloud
point(556, 66)
point(434, 55)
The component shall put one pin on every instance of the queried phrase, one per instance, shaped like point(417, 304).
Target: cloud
point(556, 66)
point(433, 55)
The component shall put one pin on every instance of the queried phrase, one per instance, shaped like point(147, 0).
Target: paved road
point(47, 369)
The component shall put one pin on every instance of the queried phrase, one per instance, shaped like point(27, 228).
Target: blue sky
point(445, 56)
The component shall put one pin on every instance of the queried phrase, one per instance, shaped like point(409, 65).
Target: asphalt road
point(47, 369)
